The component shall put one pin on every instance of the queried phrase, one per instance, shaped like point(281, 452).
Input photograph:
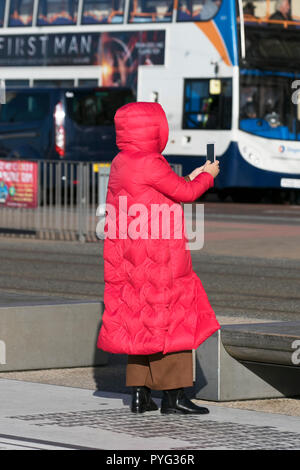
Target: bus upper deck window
point(150, 11)
point(2, 8)
point(103, 11)
point(57, 12)
point(197, 10)
point(20, 13)
point(270, 14)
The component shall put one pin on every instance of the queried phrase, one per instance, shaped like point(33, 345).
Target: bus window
point(96, 107)
point(88, 82)
point(103, 11)
point(150, 11)
point(2, 8)
point(203, 110)
point(295, 10)
point(271, 12)
point(53, 83)
point(24, 107)
point(20, 13)
point(256, 9)
point(249, 102)
point(17, 83)
point(265, 109)
point(57, 12)
point(197, 10)
point(280, 11)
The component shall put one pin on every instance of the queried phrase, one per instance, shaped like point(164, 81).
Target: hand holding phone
point(212, 168)
point(210, 153)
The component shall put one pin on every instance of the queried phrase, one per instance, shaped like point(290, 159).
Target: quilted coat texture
point(153, 300)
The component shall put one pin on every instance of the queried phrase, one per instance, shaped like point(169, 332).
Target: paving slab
point(39, 416)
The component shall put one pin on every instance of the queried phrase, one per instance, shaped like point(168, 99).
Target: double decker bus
point(225, 71)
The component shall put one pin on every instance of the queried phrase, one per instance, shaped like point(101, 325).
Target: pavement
point(38, 416)
point(249, 266)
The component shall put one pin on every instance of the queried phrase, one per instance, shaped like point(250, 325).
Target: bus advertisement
point(226, 71)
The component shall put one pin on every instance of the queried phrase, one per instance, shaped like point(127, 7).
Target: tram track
point(210, 292)
point(221, 308)
point(79, 280)
point(241, 286)
point(65, 277)
point(65, 273)
point(207, 289)
point(196, 263)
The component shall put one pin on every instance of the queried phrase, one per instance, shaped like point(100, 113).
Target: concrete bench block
point(269, 342)
point(49, 335)
point(220, 377)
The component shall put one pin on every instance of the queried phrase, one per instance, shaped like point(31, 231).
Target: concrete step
point(249, 361)
point(45, 332)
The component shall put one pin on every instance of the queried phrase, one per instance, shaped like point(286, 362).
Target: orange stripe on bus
point(212, 33)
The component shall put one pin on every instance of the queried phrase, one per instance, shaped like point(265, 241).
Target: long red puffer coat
point(153, 299)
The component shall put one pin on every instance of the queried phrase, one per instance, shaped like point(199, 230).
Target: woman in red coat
point(156, 309)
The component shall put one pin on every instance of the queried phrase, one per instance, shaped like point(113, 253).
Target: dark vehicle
point(60, 123)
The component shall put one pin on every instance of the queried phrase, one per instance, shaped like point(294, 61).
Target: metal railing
point(57, 200)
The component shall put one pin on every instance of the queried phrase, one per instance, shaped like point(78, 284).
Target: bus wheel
point(279, 197)
point(250, 196)
point(294, 197)
point(223, 195)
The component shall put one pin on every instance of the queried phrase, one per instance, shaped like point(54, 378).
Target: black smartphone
point(210, 154)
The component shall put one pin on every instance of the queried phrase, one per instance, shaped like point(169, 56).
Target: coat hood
point(141, 127)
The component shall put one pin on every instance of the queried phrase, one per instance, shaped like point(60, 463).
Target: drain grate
point(199, 433)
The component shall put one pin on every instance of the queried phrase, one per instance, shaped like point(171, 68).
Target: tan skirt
point(160, 371)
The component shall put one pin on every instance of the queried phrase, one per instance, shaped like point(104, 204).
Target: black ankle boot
point(175, 401)
point(142, 401)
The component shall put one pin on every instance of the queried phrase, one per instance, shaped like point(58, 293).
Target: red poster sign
point(18, 184)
